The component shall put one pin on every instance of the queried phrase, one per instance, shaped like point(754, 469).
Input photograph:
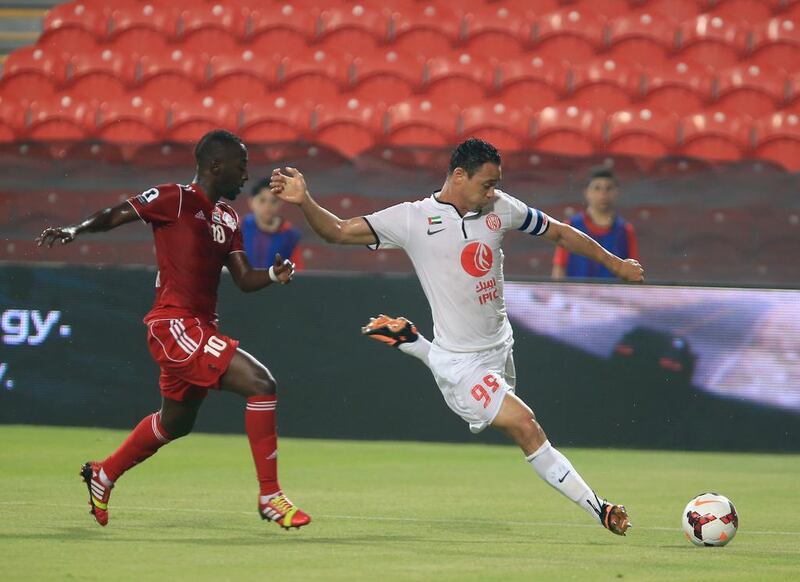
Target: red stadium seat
point(241, 75)
point(208, 42)
point(776, 43)
point(281, 28)
point(131, 119)
point(741, 11)
point(531, 82)
point(12, 118)
point(351, 204)
point(85, 16)
point(674, 10)
point(534, 7)
point(679, 87)
point(642, 37)
point(386, 75)
point(715, 136)
point(506, 128)
point(567, 130)
point(421, 122)
point(167, 76)
point(102, 75)
point(194, 116)
point(347, 125)
point(604, 84)
point(69, 40)
point(569, 34)
point(607, 9)
point(710, 40)
point(60, 117)
point(32, 72)
point(231, 17)
point(357, 28)
point(313, 74)
point(136, 42)
point(141, 20)
point(750, 89)
point(641, 132)
point(275, 119)
point(792, 93)
point(497, 30)
point(457, 77)
point(426, 28)
point(778, 140)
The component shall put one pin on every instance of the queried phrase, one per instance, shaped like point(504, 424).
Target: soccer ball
point(710, 520)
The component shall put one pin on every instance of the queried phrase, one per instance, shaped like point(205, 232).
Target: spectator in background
point(601, 222)
point(265, 232)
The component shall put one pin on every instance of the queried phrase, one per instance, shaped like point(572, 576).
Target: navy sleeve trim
point(527, 220)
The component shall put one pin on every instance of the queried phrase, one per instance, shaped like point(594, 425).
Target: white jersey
point(459, 262)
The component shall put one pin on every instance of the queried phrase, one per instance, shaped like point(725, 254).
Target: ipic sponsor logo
point(486, 291)
point(477, 259)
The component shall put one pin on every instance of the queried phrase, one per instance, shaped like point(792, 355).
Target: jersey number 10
point(218, 233)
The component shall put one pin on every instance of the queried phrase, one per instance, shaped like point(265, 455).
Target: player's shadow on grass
point(254, 537)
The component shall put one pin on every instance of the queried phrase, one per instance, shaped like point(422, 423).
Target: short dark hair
point(600, 172)
point(472, 154)
point(260, 185)
point(214, 145)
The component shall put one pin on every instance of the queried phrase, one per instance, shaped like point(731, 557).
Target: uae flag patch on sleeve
point(434, 220)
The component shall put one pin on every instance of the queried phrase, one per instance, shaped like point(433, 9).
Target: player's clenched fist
point(630, 270)
point(282, 271)
point(52, 234)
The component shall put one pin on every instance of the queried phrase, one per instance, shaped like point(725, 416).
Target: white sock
point(418, 349)
point(104, 478)
point(556, 469)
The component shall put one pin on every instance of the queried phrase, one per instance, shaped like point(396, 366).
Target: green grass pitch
point(382, 511)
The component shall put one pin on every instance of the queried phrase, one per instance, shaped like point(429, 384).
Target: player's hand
point(283, 269)
point(288, 185)
point(66, 234)
point(630, 270)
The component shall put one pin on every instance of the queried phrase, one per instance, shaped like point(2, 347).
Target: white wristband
point(272, 274)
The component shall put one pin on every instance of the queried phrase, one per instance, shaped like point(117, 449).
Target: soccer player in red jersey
point(195, 235)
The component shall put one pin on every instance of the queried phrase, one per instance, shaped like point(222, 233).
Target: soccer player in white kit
point(453, 239)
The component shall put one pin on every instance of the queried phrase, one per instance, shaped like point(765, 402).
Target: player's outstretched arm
point(100, 221)
point(290, 185)
point(249, 279)
point(577, 242)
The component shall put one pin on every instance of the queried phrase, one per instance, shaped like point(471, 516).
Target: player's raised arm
point(290, 186)
point(575, 241)
point(100, 221)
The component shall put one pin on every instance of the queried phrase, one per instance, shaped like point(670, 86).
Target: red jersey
point(193, 238)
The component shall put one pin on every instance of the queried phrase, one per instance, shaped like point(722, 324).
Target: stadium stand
point(668, 91)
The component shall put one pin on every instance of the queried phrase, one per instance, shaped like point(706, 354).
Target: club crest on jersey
point(493, 222)
point(477, 259)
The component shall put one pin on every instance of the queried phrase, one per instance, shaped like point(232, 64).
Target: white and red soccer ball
point(710, 520)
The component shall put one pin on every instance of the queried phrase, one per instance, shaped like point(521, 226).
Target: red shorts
point(192, 356)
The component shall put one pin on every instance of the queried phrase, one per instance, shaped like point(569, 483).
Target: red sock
point(143, 442)
point(259, 422)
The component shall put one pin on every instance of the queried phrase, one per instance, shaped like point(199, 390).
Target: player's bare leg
point(247, 377)
point(517, 420)
point(174, 420)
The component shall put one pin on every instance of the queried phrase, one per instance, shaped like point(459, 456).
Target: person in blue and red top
point(196, 233)
point(266, 232)
point(601, 222)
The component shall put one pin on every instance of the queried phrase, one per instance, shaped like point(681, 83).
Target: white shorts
point(474, 383)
